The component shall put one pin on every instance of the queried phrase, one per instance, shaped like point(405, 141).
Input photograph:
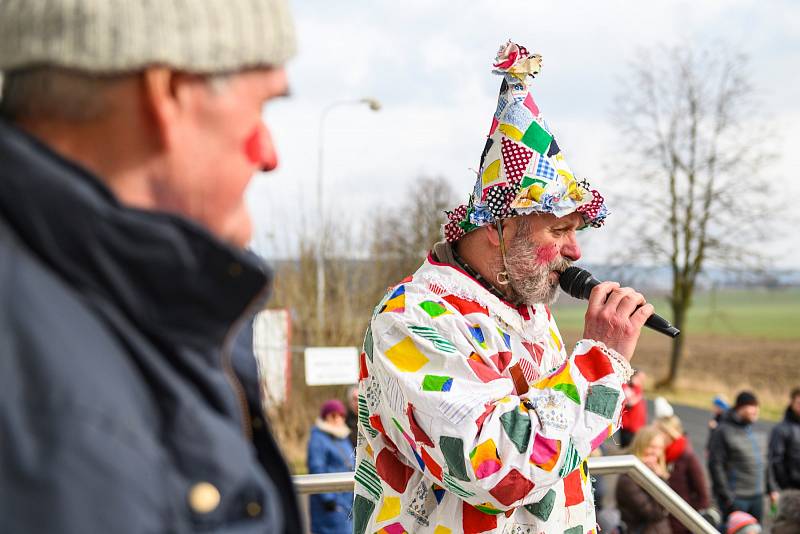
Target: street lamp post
point(374, 105)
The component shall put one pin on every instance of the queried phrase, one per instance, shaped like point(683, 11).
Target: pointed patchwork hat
point(522, 168)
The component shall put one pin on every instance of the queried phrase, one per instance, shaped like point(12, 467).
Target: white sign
point(326, 366)
point(271, 335)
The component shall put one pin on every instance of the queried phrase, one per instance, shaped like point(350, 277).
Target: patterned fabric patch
point(574, 530)
point(362, 510)
point(531, 374)
point(551, 411)
point(442, 530)
point(474, 521)
point(488, 508)
point(515, 159)
point(573, 490)
point(518, 116)
point(419, 435)
point(512, 132)
point(422, 504)
point(544, 169)
point(545, 452)
point(438, 492)
point(561, 381)
point(491, 174)
point(389, 509)
point(464, 306)
point(511, 488)
point(430, 463)
point(437, 383)
point(392, 471)
point(535, 350)
point(454, 487)
point(602, 400)
point(406, 356)
point(367, 476)
point(571, 460)
point(432, 335)
point(485, 460)
point(453, 452)
point(433, 308)
point(397, 302)
point(593, 365)
point(536, 137)
point(531, 105)
point(506, 338)
point(517, 426)
point(543, 508)
point(501, 360)
point(601, 437)
point(363, 415)
point(481, 370)
point(394, 528)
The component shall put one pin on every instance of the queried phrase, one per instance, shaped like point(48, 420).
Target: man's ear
point(160, 100)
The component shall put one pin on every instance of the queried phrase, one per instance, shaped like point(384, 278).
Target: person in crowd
point(640, 512)
point(128, 133)
point(477, 418)
point(783, 457)
point(735, 461)
point(742, 523)
point(329, 451)
point(352, 414)
point(787, 520)
point(718, 408)
point(686, 474)
point(634, 415)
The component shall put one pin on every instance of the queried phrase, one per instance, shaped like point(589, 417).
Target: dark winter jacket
point(119, 409)
point(640, 512)
point(328, 453)
point(734, 461)
point(688, 480)
point(784, 452)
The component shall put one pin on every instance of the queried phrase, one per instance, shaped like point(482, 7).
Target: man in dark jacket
point(784, 447)
point(128, 133)
point(735, 462)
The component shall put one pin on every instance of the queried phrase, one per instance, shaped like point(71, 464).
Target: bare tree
point(403, 236)
point(694, 143)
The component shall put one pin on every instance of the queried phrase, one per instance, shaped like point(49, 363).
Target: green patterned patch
point(434, 337)
point(518, 428)
point(543, 508)
point(488, 509)
point(437, 383)
point(362, 510)
point(537, 138)
point(602, 400)
point(363, 415)
point(570, 390)
point(574, 530)
point(452, 486)
point(453, 452)
point(434, 309)
point(367, 476)
point(571, 460)
point(368, 344)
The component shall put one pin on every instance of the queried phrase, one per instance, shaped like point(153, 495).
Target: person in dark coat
point(686, 475)
point(784, 447)
point(640, 512)
point(329, 451)
point(123, 276)
point(735, 461)
point(351, 419)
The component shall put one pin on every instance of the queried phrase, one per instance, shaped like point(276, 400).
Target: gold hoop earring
point(502, 278)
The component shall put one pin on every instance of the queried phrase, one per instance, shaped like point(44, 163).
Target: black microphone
point(579, 283)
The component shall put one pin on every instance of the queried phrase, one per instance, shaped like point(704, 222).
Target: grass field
point(750, 313)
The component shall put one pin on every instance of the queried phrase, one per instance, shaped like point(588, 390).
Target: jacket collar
point(790, 416)
point(165, 273)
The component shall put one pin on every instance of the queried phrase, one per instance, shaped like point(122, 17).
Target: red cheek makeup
point(546, 254)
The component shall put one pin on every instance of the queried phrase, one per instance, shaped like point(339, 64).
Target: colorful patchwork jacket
point(473, 418)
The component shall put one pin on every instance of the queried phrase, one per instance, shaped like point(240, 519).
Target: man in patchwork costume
point(473, 417)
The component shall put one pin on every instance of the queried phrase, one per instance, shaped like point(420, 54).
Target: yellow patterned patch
point(406, 356)
point(390, 509)
point(511, 131)
point(556, 339)
point(442, 530)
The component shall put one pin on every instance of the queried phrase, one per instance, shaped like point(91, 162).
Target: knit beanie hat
point(332, 406)
point(522, 168)
point(114, 36)
point(720, 403)
point(745, 398)
point(742, 523)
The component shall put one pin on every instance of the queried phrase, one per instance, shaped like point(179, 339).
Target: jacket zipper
point(226, 358)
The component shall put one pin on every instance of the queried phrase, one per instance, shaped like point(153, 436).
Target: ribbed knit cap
point(109, 36)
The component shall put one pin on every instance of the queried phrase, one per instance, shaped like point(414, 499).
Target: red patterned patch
point(573, 490)
point(474, 521)
point(488, 409)
point(431, 464)
point(531, 374)
point(393, 471)
point(594, 365)
point(483, 371)
point(376, 423)
point(362, 366)
point(419, 434)
point(531, 105)
point(465, 306)
point(501, 360)
point(511, 488)
point(535, 350)
point(515, 159)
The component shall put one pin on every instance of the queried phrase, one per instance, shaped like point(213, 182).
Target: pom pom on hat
point(742, 523)
point(662, 408)
point(332, 406)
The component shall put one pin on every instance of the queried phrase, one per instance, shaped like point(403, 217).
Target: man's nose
point(260, 149)
point(570, 248)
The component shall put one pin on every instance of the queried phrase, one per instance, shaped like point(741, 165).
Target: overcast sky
point(429, 65)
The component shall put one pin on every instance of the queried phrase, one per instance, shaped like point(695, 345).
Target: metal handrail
point(601, 465)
